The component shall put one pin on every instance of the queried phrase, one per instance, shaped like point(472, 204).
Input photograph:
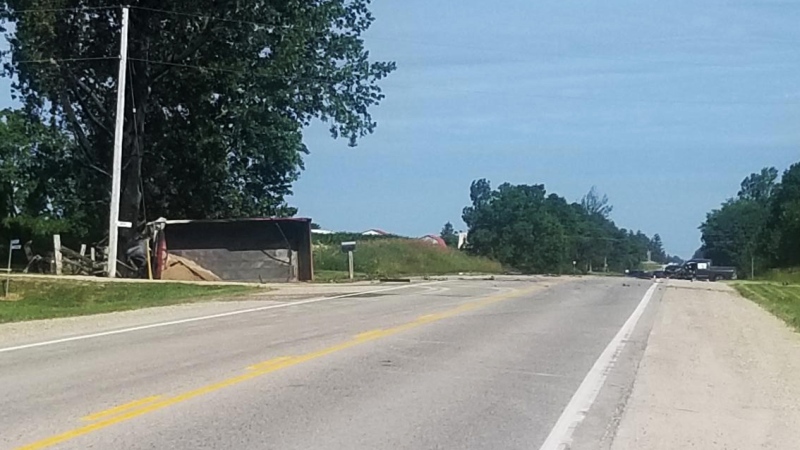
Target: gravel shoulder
point(718, 372)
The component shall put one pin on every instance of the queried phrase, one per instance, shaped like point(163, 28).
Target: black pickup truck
point(702, 269)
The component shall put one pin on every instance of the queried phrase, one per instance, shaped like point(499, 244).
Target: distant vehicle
point(703, 269)
point(639, 274)
point(672, 269)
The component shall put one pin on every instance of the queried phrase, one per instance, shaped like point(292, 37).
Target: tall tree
point(218, 94)
point(755, 230)
point(523, 227)
point(783, 227)
point(594, 203)
point(33, 193)
point(731, 235)
point(759, 186)
point(448, 234)
point(656, 248)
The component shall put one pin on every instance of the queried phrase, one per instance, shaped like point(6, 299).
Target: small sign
point(124, 224)
point(15, 247)
point(15, 242)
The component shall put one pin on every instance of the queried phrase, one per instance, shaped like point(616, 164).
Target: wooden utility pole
point(116, 169)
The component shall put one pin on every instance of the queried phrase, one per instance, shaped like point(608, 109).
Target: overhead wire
point(226, 70)
point(55, 60)
point(76, 9)
point(205, 16)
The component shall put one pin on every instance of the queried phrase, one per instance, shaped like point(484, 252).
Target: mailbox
point(348, 246)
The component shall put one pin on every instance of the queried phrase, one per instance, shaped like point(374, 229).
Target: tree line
point(759, 228)
point(218, 96)
point(525, 228)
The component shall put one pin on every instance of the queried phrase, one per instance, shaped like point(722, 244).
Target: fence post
point(57, 252)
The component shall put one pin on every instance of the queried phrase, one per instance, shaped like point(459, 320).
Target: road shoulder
point(599, 427)
point(718, 372)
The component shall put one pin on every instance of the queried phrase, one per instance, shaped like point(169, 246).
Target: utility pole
point(116, 170)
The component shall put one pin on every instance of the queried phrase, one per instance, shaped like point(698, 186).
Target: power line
point(204, 16)
point(82, 8)
point(55, 60)
point(188, 66)
point(232, 71)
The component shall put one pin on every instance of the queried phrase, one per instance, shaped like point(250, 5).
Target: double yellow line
point(136, 408)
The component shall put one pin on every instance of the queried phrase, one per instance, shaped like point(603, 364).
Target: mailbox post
point(349, 247)
point(13, 245)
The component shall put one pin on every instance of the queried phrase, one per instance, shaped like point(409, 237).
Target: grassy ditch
point(781, 299)
point(399, 257)
point(33, 299)
point(789, 275)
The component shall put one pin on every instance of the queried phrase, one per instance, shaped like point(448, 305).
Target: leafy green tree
point(783, 227)
point(33, 195)
point(523, 227)
point(594, 203)
point(449, 235)
point(511, 225)
point(759, 187)
point(749, 231)
point(218, 94)
point(731, 234)
point(656, 248)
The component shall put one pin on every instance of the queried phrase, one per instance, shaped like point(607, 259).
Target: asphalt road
point(452, 365)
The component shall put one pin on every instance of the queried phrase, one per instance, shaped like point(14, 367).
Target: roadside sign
point(122, 224)
point(15, 242)
point(15, 246)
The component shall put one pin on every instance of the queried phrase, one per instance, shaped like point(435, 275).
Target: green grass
point(789, 275)
point(782, 300)
point(401, 257)
point(46, 299)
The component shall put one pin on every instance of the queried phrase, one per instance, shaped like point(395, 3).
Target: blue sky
point(665, 106)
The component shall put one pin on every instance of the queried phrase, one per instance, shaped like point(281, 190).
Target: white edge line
point(201, 318)
point(560, 436)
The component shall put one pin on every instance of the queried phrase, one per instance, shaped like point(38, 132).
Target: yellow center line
point(146, 405)
point(120, 408)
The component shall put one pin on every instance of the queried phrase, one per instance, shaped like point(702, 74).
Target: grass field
point(399, 257)
point(780, 299)
point(45, 299)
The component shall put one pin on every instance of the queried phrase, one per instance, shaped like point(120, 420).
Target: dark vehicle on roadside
point(672, 269)
point(703, 269)
point(639, 274)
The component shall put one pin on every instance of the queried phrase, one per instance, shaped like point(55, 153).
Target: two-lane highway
point(457, 364)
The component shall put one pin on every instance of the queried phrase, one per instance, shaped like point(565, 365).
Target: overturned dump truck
point(261, 250)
